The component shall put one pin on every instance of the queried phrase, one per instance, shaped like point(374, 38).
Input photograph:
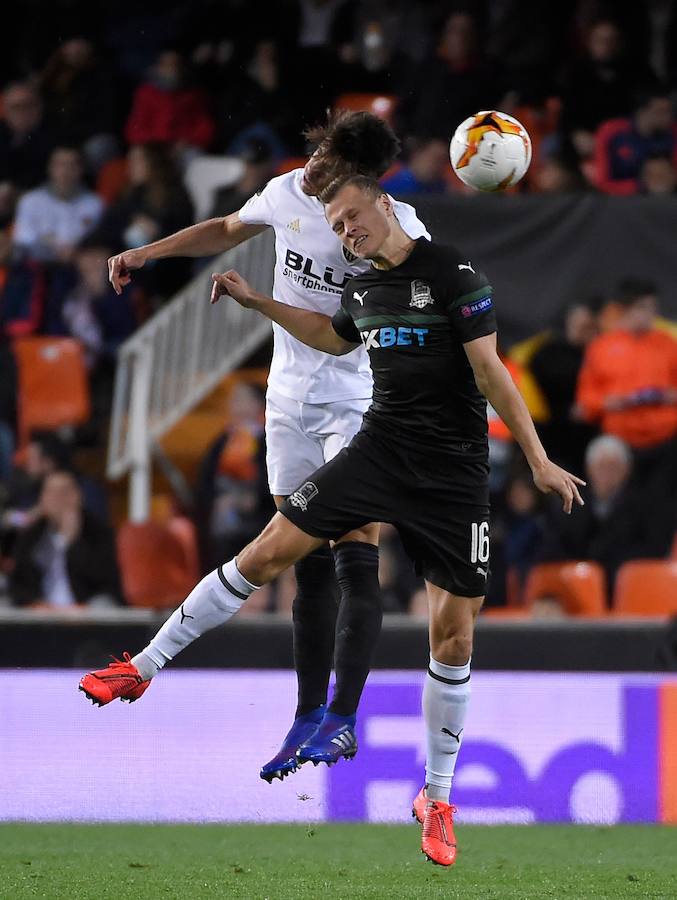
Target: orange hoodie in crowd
point(633, 366)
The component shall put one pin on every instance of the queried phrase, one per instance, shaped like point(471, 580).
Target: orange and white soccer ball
point(490, 151)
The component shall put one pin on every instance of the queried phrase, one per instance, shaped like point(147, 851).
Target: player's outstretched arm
point(204, 239)
point(313, 329)
point(494, 381)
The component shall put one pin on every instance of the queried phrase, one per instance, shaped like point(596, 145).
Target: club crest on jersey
point(348, 256)
point(302, 497)
point(420, 295)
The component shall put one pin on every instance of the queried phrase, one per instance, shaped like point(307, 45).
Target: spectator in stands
point(22, 280)
point(599, 86)
point(25, 141)
point(53, 219)
point(154, 205)
point(45, 453)
point(255, 103)
point(522, 525)
point(259, 168)
point(658, 176)
point(424, 172)
point(618, 522)
point(372, 61)
point(628, 385)
point(623, 145)
point(556, 174)
point(66, 557)
point(232, 496)
point(457, 82)
point(555, 367)
point(168, 109)
point(78, 93)
point(92, 312)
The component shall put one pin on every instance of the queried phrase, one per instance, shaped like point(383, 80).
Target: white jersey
point(311, 268)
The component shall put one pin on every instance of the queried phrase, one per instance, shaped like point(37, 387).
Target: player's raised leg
point(357, 629)
point(212, 602)
point(446, 695)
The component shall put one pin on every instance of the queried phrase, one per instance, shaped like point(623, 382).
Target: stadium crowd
point(102, 116)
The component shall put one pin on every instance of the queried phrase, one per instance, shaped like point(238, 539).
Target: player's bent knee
point(452, 650)
point(279, 546)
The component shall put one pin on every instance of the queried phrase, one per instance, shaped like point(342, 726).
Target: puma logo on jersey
point(295, 225)
point(463, 266)
point(360, 297)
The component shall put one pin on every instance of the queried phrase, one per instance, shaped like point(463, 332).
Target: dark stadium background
point(575, 704)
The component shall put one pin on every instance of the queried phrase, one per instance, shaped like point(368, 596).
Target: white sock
point(211, 602)
point(446, 695)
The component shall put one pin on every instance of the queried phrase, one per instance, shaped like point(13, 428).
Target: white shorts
point(301, 437)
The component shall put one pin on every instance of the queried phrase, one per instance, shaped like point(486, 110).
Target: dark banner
point(543, 252)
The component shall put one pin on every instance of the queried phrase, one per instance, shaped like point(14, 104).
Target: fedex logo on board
point(605, 754)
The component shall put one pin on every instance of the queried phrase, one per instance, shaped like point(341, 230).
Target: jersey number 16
point(479, 542)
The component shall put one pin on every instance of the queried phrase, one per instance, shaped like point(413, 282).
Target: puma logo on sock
point(186, 616)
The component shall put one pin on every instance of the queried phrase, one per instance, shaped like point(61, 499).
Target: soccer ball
point(490, 151)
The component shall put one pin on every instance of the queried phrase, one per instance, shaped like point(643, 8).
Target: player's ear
point(386, 204)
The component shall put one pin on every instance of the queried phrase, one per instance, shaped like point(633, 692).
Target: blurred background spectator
point(619, 521)
point(169, 109)
point(424, 172)
point(622, 146)
point(78, 91)
point(599, 84)
point(259, 168)
point(51, 220)
point(628, 385)
point(555, 367)
point(457, 81)
point(232, 498)
point(25, 139)
point(66, 556)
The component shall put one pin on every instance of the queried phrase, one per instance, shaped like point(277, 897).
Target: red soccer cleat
point(418, 806)
point(121, 679)
point(438, 842)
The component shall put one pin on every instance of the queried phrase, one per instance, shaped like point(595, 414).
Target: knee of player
point(262, 560)
point(451, 648)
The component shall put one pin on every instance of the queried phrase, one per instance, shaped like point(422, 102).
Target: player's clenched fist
point(232, 284)
point(119, 267)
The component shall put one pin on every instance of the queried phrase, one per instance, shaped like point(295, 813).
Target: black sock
point(314, 614)
point(358, 624)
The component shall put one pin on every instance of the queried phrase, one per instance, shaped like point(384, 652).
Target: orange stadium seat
point(381, 105)
point(291, 162)
point(112, 179)
point(646, 587)
point(579, 586)
point(158, 563)
point(52, 384)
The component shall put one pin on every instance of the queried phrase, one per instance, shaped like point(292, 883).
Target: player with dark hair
point(425, 315)
point(314, 406)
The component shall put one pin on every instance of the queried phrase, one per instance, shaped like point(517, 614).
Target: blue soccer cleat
point(334, 740)
point(285, 761)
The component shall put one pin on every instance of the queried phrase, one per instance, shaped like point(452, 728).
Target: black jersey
point(413, 320)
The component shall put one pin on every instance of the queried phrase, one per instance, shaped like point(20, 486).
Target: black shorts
point(439, 504)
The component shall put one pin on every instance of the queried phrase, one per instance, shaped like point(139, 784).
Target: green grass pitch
point(336, 862)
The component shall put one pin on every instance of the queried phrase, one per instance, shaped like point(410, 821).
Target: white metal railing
point(176, 358)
